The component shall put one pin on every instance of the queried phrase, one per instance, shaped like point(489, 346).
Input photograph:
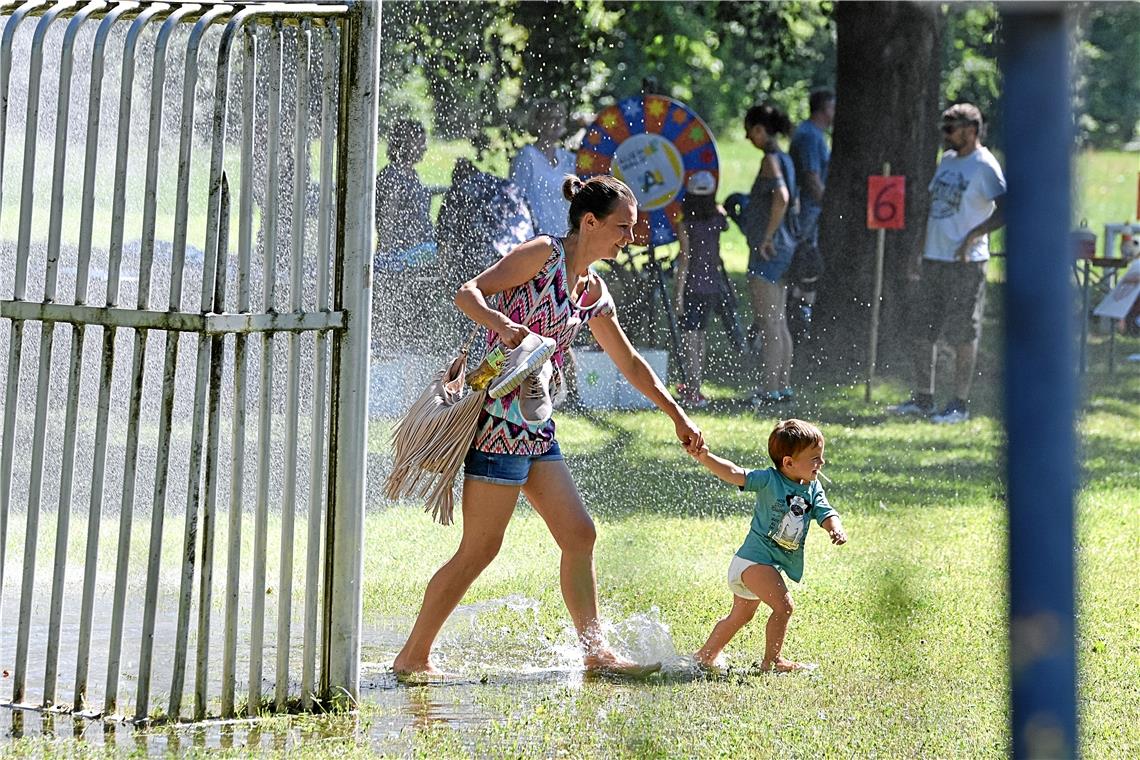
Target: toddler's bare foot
point(785, 666)
point(608, 662)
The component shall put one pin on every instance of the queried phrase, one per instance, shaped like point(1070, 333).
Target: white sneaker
point(521, 362)
point(953, 414)
point(535, 403)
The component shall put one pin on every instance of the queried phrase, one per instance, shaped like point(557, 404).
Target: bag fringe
point(431, 441)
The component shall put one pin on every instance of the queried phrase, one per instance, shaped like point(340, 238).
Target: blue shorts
point(504, 469)
point(771, 270)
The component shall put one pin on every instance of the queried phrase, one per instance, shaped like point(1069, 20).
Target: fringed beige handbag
point(431, 440)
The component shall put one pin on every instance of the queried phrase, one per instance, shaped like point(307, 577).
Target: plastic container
point(1084, 242)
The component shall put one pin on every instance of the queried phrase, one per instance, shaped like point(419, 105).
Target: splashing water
point(502, 639)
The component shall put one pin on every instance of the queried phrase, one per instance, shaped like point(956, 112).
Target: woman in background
point(769, 228)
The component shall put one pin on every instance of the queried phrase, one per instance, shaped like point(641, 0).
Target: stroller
point(481, 219)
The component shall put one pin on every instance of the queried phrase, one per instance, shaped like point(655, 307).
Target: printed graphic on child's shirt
point(946, 194)
point(790, 532)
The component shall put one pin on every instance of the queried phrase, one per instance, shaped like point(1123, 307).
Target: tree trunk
point(887, 93)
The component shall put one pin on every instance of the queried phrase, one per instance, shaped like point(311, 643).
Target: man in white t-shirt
point(967, 199)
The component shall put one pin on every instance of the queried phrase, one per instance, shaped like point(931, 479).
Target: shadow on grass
point(897, 466)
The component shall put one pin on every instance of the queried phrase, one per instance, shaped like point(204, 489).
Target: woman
point(545, 286)
point(539, 168)
point(770, 231)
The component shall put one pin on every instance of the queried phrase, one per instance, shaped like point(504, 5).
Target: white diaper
point(736, 569)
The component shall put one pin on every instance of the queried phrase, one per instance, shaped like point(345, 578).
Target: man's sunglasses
point(950, 128)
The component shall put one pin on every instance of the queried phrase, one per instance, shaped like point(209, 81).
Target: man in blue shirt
point(811, 156)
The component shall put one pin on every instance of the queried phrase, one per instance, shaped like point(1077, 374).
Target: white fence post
point(356, 168)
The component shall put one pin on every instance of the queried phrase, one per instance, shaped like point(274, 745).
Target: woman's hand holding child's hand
point(688, 434)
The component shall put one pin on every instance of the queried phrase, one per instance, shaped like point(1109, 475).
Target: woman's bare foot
point(405, 668)
point(713, 666)
point(605, 661)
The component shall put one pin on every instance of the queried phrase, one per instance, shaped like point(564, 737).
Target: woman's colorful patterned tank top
point(544, 305)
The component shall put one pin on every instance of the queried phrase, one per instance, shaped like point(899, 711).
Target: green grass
point(907, 620)
point(1106, 187)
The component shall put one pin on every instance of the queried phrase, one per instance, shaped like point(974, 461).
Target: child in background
point(700, 282)
point(788, 497)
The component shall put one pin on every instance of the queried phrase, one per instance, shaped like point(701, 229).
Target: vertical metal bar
point(201, 379)
point(324, 688)
point(31, 132)
point(146, 258)
point(293, 381)
point(214, 282)
point(356, 169)
point(91, 146)
point(317, 486)
point(55, 221)
point(23, 244)
point(1040, 383)
point(265, 409)
point(114, 257)
point(237, 448)
point(217, 349)
point(16, 338)
point(6, 41)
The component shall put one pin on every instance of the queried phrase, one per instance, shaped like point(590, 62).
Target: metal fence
point(151, 391)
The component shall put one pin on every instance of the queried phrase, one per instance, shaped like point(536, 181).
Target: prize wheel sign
point(652, 143)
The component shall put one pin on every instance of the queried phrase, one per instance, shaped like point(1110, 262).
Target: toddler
point(788, 497)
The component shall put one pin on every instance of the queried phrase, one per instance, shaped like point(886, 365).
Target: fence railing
point(178, 344)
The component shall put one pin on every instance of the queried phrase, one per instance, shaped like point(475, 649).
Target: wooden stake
point(876, 301)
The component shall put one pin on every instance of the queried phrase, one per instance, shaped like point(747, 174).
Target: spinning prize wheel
point(652, 143)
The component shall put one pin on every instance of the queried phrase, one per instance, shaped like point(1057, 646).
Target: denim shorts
point(504, 469)
point(773, 269)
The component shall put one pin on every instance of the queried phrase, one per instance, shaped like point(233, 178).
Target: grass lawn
point(907, 621)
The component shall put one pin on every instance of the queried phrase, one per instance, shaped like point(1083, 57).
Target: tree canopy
point(471, 69)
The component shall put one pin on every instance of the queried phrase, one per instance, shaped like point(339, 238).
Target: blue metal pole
point(1040, 381)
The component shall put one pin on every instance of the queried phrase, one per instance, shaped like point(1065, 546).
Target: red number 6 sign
point(886, 203)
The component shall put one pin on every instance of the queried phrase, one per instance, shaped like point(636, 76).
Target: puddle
point(163, 649)
point(493, 647)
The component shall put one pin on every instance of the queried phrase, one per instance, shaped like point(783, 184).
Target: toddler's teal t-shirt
point(780, 520)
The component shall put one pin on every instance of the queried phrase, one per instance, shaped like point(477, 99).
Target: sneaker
point(766, 399)
point(912, 407)
point(535, 403)
point(521, 362)
point(954, 413)
point(690, 399)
